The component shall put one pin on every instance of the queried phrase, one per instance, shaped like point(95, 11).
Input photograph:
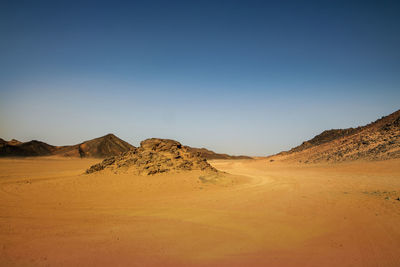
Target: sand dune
point(261, 214)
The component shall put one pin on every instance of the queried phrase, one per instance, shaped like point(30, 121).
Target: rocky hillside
point(102, 147)
point(378, 140)
point(325, 137)
point(155, 156)
point(208, 154)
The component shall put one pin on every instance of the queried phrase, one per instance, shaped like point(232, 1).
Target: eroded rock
point(155, 156)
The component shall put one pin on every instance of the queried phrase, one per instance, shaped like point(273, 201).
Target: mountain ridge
point(209, 154)
point(100, 147)
point(377, 140)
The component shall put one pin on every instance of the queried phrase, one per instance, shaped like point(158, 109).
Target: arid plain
point(258, 213)
point(199, 133)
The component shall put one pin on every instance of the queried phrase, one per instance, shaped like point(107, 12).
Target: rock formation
point(155, 156)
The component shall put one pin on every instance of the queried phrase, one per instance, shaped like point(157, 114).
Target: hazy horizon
point(237, 77)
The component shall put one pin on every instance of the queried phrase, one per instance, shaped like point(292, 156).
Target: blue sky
point(241, 77)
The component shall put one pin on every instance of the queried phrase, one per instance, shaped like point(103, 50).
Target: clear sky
point(241, 77)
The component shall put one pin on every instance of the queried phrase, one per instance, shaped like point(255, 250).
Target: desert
point(200, 133)
point(262, 213)
point(162, 204)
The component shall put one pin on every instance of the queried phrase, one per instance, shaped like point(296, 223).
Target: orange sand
point(274, 215)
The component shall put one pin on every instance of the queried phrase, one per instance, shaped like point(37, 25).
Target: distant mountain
point(102, 147)
point(11, 142)
point(27, 149)
point(208, 154)
point(14, 142)
point(376, 141)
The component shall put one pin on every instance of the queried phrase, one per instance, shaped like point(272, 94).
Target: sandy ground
point(275, 214)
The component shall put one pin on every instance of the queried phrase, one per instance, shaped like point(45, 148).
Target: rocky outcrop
point(155, 156)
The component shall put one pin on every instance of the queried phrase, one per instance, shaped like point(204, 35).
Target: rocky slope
point(378, 140)
point(155, 156)
point(102, 147)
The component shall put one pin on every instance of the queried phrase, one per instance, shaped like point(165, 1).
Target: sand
point(264, 214)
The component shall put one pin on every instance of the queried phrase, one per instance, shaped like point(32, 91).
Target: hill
point(155, 156)
point(14, 142)
point(102, 147)
point(378, 140)
point(27, 149)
